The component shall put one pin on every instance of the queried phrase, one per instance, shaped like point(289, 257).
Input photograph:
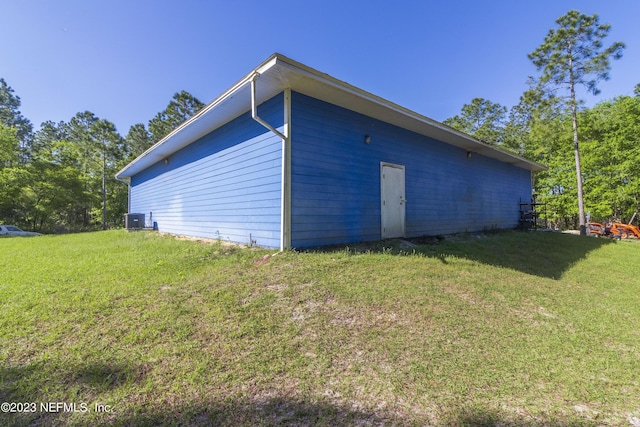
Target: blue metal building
point(291, 157)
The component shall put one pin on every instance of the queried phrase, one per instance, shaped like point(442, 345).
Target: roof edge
point(446, 133)
point(267, 63)
point(340, 84)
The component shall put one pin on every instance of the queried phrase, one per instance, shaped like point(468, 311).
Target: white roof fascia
point(177, 139)
point(442, 131)
point(279, 72)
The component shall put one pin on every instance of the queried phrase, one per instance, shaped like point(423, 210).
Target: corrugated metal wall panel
point(336, 179)
point(223, 186)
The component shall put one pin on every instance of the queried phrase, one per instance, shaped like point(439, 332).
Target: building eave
point(277, 73)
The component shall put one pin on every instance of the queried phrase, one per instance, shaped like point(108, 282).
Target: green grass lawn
point(505, 329)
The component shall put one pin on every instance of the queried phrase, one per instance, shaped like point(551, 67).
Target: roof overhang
point(278, 73)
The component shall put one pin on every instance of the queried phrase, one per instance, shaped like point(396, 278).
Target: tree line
point(61, 178)
point(592, 154)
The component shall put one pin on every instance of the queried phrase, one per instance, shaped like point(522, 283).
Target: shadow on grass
point(543, 254)
point(481, 417)
point(94, 377)
point(272, 412)
point(292, 412)
point(288, 412)
point(26, 385)
point(94, 380)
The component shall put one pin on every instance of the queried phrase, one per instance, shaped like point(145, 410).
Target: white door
point(392, 200)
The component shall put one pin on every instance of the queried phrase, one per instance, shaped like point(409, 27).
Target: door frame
point(382, 201)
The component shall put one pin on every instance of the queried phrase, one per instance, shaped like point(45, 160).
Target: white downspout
point(128, 182)
point(254, 109)
point(285, 189)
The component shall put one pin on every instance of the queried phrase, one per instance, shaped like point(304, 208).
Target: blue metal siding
point(336, 179)
point(223, 186)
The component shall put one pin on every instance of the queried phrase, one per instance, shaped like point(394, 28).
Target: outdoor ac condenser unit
point(134, 221)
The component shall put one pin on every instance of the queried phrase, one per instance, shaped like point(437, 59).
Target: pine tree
point(573, 55)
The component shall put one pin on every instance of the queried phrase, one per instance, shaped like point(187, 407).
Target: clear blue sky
point(124, 59)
